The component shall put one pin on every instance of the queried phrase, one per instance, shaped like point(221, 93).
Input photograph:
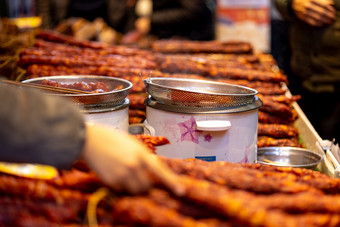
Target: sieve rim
point(199, 93)
point(149, 82)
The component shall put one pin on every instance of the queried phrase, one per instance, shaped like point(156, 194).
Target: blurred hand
point(123, 162)
point(314, 12)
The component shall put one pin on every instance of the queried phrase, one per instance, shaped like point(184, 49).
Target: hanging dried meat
point(201, 66)
point(275, 118)
point(277, 130)
point(230, 62)
point(81, 60)
point(44, 46)
point(187, 46)
point(57, 37)
point(266, 141)
point(216, 194)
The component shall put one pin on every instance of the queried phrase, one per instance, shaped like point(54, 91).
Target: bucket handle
point(213, 125)
point(150, 130)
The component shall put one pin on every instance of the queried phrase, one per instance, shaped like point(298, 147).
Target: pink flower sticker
point(188, 130)
point(207, 138)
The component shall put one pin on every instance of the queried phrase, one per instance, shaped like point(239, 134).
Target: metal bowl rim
point(287, 149)
point(84, 76)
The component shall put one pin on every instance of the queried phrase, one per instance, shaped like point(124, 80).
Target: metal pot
point(116, 116)
point(111, 108)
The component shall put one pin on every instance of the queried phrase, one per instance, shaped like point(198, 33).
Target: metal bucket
point(111, 108)
point(222, 127)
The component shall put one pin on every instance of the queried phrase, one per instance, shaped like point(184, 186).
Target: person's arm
point(39, 128)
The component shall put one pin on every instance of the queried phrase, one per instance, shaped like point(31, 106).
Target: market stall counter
point(217, 193)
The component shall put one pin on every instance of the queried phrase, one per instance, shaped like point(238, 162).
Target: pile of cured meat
point(216, 194)
point(231, 62)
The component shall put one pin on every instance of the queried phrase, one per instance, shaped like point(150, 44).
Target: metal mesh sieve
point(198, 93)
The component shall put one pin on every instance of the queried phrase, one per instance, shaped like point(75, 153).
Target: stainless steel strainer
point(113, 97)
point(198, 93)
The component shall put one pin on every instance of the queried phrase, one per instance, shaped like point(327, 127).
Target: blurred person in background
point(119, 14)
point(166, 19)
point(136, 19)
point(162, 18)
point(315, 60)
point(44, 129)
